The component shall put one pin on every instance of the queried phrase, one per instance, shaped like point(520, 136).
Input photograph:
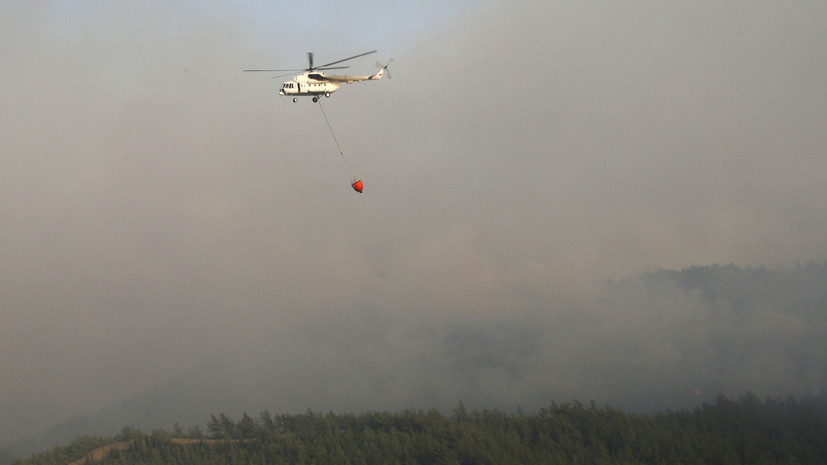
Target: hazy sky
point(161, 209)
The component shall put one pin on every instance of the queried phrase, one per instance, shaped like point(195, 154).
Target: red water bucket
point(358, 185)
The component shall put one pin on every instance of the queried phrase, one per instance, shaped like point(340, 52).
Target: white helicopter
point(314, 83)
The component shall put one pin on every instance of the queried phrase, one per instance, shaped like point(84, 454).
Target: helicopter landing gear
point(327, 94)
point(295, 100)
point(315, 99)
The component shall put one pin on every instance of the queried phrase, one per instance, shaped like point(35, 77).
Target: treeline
point(800, 290)
point(62, 455)
point(740, 431)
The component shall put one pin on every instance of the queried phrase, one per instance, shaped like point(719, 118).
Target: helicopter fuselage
point(309, 84)
point(315, 83)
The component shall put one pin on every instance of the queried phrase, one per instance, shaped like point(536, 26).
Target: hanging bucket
point(357, 185)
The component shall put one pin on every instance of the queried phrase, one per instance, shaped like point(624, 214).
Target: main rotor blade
point(291, 73)
point(350, 58)
point(333, 67)
point(272, 70)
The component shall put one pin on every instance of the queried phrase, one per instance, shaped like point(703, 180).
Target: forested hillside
point(741, 431)
point(801, 290)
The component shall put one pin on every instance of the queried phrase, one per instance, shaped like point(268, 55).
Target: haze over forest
point(173, 229)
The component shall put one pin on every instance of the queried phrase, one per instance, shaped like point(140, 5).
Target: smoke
point(164, 212)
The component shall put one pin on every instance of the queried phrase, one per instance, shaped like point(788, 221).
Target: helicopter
point(313, 82)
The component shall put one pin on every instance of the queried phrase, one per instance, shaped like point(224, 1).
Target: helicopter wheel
point(295, 100)
point(315, 99)
point(327, 94)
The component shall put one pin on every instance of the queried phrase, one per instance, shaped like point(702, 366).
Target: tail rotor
point(385, 67)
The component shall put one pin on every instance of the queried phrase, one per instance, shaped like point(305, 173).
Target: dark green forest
point(742, 430)
point(745, 430)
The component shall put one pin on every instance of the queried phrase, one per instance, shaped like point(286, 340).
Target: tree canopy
point(728, 431)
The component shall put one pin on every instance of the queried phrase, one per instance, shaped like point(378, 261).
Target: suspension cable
point(357, 183)
point(331, 132)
